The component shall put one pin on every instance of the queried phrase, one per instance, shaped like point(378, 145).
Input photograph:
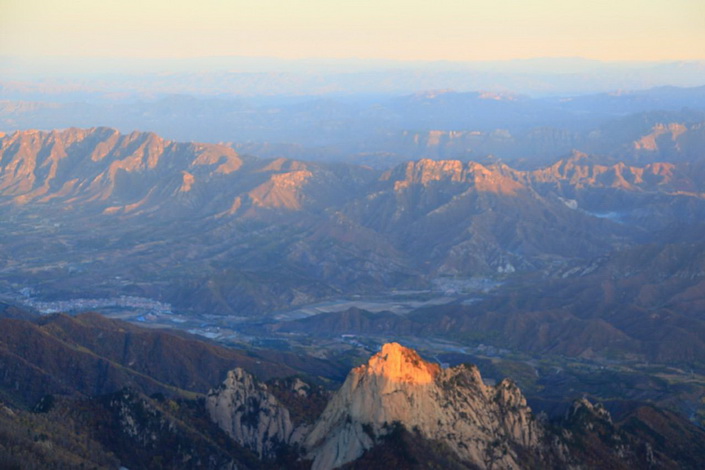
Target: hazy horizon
point(14, 66)
point(450, 30)
point(515, 186)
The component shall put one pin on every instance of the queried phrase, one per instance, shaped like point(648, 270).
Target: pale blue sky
point(392, 29)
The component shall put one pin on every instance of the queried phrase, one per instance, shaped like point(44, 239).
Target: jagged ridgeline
point(594, 249)
point(101, 393)
point(401, 409)
point(588, 258)
point(208, 230)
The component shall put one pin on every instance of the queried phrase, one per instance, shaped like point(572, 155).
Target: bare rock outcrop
point(245, 409)
point(486, 426)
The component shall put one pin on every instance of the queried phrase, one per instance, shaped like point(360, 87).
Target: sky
point(456, 30)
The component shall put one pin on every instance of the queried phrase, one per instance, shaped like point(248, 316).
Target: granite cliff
point(245, 409)
point(487, 426)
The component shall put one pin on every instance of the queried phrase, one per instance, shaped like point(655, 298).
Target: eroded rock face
point(400, 405)
point(251, 415)
point(483, 425)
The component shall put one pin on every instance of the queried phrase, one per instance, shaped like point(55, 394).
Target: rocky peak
point(481, 424)
point(424, 171)
point(585, 413)
point(498, 179)
point(399, 364)
point(282, 190)
point(650, 141)
point(89, 165)
point(245, 409)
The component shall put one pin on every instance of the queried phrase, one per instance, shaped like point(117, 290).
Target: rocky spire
point(245, 409)
point(395, 363)
point(483, 425)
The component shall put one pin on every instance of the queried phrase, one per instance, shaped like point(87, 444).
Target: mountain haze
point(572, 265)
point(193, 214)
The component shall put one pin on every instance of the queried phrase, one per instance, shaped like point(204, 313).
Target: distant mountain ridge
point(587, 258)
point(208, 76)
point(328, 227)
point(86, 166)
point(380, 130)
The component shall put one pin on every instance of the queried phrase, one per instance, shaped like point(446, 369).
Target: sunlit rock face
point(395, 364)
point(483, 425)
point(100, 166)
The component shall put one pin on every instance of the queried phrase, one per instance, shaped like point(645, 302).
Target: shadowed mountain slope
point(91, 355)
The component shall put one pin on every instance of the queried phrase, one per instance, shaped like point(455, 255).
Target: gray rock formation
point(400, 405)
point(251, 415)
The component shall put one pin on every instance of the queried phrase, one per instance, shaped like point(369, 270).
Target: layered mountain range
point(584, 259)
point(544, 256)
point(201, 227)
point(381, 129)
